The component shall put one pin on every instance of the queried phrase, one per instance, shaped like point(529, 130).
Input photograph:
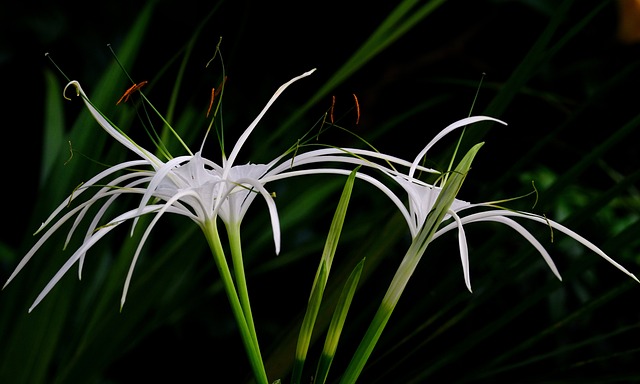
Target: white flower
point(429, 209)
point(189, 185)
point(422, 196)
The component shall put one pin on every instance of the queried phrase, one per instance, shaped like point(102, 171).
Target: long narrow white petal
point(160, 174)
point(80, 251)
point(554, 225)
point(88, 184)
point(273, 211)
point(447, 130)
point(69, 263)
point(44, 237)
point(164, 208)
point(529, 237)
point(247, 132)
point(90, 243)
point(517, 227)
point(464, 250)
point(113, 186)
point(111, 130)
point(346, 155)
point(371, 180)
point(97, 217)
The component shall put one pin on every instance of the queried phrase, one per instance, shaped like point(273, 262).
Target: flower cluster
point(202, 190)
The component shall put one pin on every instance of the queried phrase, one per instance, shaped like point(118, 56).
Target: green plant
point(432, 315)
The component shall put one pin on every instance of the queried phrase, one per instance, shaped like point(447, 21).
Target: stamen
point(56, 65)
point(357, 108)
point(333, 104)
point(213, 96)
point(133, 88)
point(221, 86)
point(215, 92)
point(71, 197)
point(126, 94)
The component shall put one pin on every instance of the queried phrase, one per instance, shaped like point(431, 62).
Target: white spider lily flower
point(190, 185)
point(429, 210)
point(422, 197)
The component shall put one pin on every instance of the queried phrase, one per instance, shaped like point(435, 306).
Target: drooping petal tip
point(76, 84)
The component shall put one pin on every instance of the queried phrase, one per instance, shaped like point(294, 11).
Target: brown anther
point(213, 96)
point(357, 108)
point(133, 88)
point(333, 104)
point(224, 81)
point(215, 92)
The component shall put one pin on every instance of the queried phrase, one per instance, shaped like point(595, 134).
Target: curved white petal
point(241, 140)
point(464, 250)
point(447, 130)
point(529, 237)
point(491, 214)
point(168, 206)
point(115, 133)
point(362, 176)
point(88, 184)
point(271, 204)
point(163, 171)
point(113, 195)
point(84, 248)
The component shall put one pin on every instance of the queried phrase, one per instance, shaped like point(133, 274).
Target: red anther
point(357, 108)
point(131, 89)
point(333, 104)
point(213, 96)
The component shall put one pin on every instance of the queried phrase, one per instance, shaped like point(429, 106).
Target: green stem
point(389, 302)
point(211, 233)
point(235, 245)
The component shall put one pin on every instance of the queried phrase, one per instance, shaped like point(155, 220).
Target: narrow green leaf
point(320, 281)
point(53, 141)
point(337, 324)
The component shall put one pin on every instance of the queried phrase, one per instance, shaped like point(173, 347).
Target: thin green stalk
point(241, 281)
point(211, 233)
point(383, 314)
